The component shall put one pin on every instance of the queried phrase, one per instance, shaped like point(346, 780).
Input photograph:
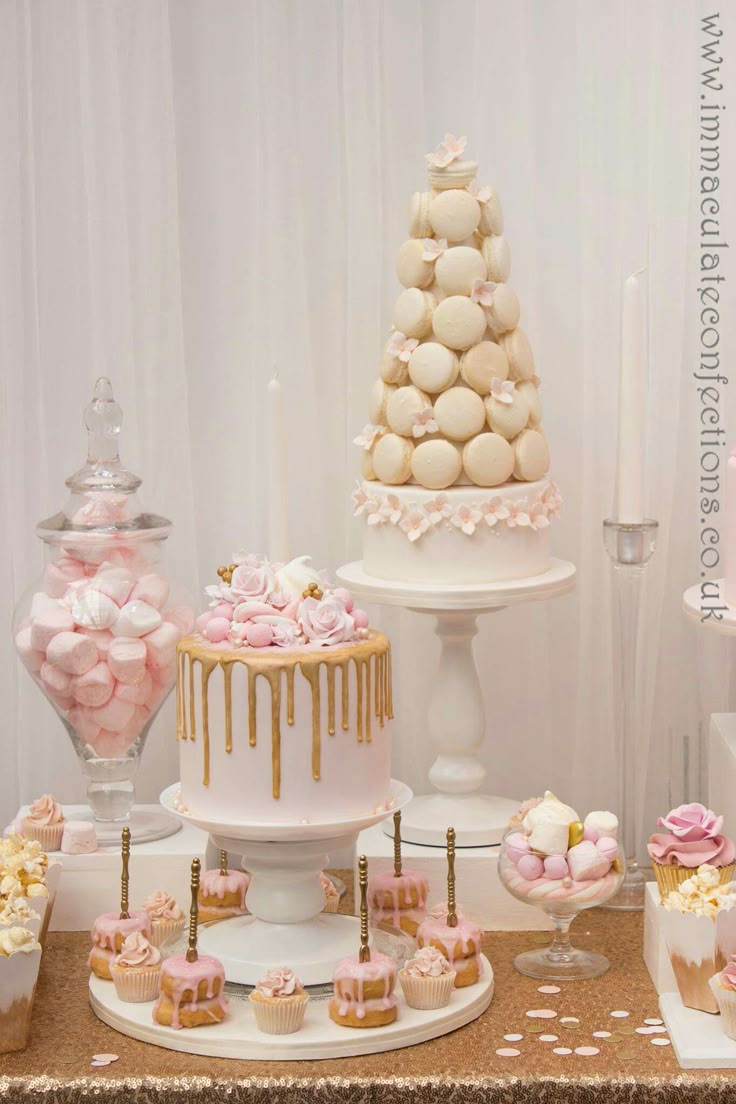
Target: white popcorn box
point(32, 924)
point(699, 947)
point(53, 875)
point(18, 977)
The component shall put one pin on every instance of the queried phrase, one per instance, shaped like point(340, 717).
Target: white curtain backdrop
point(193, 192)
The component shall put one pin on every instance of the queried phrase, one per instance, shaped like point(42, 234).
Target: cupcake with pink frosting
point(136, 970)
point(167, 918)
point(279, 1001)
point(332, 897)
point(44, 822)
point(723, 987)
point(689, 836)
point(427, 979)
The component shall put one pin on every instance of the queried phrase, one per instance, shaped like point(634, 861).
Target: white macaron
point(402, 405)
point(497, 255)
point(411, 268)
point(458, 268)
point(366, 464)
point(454, 214)
point(433, 367)
point(488, 460)
point(530, 394)
point(458, 174)
point(393, 370)
point(504, 312)
point(392, 458)
point(419, 224)
point(531, 455)
point(481, 364)
point(516, 346)
point(436, 464)
point(413, 312)
point(458, 322)
point(507, 418)
point(491, 215)
point(380, 394)
point(459, 413)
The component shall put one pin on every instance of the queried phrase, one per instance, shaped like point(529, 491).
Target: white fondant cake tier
point(281, 737)
point(461, 535)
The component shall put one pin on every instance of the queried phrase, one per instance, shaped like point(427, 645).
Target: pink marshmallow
point(259, 636)
point(151, 589)
point(216, 629)
point(102, 639)
point(84, 723)
point(345, 597)
point(48, 624)
point(292, 609)
point(530, 867)
point(517, 846)
point(127, 659)
point(608, 846)
point(111, 745)
point(136, 619)
point(95, 687)
point(203, 621)
point(115, 582)
point(31, 657)
point(590, 834)
point(114, 714)
point(182, 617)
point(360, 617)
point(139, 693)
point(224, 609)
point(57, 576)
point(586, 862)
point(63, 702)
point(161, 644)
point(246, 610)
point(72, 652)
point(165, 677)
point(555, 866)
point(55, 679)
point(141, 717)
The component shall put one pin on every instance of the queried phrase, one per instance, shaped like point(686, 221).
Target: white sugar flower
point(438, 509)
point(449, 149)
point(433, 249)
point(481, 192)
point(466, 518)
point(401, 346)
point(415, 524)
point(423, 421)
point(368, 435)
point(482, 292)
point(503, 390)
point(494, 510)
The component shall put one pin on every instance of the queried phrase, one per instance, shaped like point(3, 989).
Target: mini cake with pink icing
point(109, 932)
point(398, 899)
point(689, 836)
point(723, 987)
point(222, 894)
point(363, 993)
point(167, 918)
point(135, 971)
point(427, 979)
point(550, 855)
point(458, 940)
point(44, 822)
point(332, 897)
point(279, 1001)
point(191, 993)
point(283, 700)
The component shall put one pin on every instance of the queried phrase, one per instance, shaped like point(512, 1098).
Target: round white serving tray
point(692, 604)
point(238, 1037)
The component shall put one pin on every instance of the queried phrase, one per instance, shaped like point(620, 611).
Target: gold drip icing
point(371, 698)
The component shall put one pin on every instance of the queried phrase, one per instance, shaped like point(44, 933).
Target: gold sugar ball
point(221, 571)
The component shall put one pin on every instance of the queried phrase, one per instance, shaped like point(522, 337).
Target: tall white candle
point(278, 536)
point(632, 403)
point(729, 549)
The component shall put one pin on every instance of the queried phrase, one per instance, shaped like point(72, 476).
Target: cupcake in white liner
point(20, 958)
point(699, 926)
point(45, 823)
point(723, 987)
point(136, 970)
point(427, 979)
point(332, 897)
point(167, 918)
point(279, 1001)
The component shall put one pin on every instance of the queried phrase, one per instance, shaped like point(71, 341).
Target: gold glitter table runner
point(460, 1068)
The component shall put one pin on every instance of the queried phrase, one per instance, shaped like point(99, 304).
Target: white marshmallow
point(136, 619)
point(586, 862)
point(549, 837)
point(115, 582)
point(94, 610)
point(604, 823)
point(551, 808)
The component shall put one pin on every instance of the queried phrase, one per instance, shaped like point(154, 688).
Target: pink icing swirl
point(668, 850)
point(162, 906)
point(428, 962)
point(692, 823)
point(727, 978)
point(46, 810)
point(280, 981)
point(137, 951)
point(326, 621)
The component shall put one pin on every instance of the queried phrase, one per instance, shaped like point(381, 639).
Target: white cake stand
point(238, 1037)
point(456, 717)
point(286, 924)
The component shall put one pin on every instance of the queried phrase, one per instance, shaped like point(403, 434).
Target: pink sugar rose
point(692, 823)
point(326, 621)
point(252, 581)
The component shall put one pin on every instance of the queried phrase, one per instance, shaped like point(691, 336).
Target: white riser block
point(656, 956)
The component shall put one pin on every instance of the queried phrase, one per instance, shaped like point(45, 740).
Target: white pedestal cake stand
point(456, 719)
point(286, 924)
point(692, 605)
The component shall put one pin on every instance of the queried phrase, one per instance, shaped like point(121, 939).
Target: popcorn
point(702, 894)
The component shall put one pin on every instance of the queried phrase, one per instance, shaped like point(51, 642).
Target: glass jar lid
point(103, 498)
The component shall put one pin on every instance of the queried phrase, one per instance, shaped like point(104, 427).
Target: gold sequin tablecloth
point(460, 1068)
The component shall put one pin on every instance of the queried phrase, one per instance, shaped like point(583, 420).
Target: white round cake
point(283, 701)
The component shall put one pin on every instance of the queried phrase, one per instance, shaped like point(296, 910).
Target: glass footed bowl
point(559, 960)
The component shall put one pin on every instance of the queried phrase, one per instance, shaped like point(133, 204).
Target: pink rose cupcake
point(723, 987)
point(45, 823)
point(691, 836)
point(136, 970)
point(427, 979)
point(167, 918)
point(279, 1001)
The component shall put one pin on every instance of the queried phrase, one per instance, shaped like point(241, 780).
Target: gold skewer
point(192, 955)
point(365, 951)
point(223, 863)
point(451, 905)
point(397, 843)
point(125, 876)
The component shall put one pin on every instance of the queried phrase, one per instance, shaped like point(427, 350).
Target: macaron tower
point(455, 484)
point(551, 857)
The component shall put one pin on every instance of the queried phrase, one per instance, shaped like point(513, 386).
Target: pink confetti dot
point(561, 1050)
point(508, 1052)
point(587, 1052)
point(107, 1058)
point(569, 1019)
point(650, 1030)
point(548, 1038)
point(515, 1038)
point(549, 989)
point(541, 1014)
point(619, 1015)
point(660, 1042)
point(601, 1034)
point(652, 1021)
